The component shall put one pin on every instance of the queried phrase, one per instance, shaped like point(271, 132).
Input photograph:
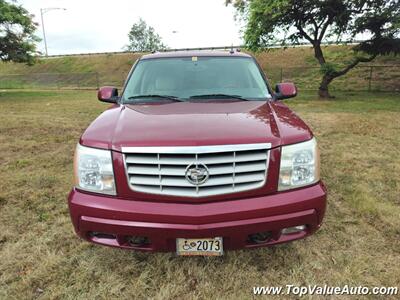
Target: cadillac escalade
point(197, 155)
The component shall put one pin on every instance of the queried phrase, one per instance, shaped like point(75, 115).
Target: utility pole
point(42, 12)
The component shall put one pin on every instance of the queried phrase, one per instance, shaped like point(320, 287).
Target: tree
point(143, 38)
point(17, 39)
point(294, 21)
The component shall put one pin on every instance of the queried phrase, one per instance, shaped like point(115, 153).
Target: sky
point(101, 26)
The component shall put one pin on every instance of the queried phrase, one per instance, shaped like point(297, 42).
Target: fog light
point(293, 229)
point(101, 235)
point(260, 237)
point(137, 241)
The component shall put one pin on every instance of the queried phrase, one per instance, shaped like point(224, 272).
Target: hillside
point(296, 64)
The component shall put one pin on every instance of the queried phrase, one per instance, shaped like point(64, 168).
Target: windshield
point(197, 77)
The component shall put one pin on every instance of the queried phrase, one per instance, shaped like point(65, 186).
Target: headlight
point(299, 165)
point(94, 170)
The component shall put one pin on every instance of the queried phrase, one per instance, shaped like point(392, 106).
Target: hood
point(195, 124)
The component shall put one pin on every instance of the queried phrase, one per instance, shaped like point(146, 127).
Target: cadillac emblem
point(197, 174)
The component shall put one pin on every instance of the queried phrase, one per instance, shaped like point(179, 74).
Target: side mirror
point(108, 94)
point(285, 90)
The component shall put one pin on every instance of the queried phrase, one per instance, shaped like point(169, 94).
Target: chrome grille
point(231, 168)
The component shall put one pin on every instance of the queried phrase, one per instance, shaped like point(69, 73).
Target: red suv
point(197, 155)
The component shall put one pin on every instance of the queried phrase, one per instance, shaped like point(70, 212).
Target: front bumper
point(115, 220)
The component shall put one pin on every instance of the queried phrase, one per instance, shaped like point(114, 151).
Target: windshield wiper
point(173, 98)
point(224, 96)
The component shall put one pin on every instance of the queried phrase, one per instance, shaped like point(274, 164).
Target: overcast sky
point(99, 26)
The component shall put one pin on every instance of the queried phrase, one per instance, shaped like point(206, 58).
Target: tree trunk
point(323, 91)
point(318, 54)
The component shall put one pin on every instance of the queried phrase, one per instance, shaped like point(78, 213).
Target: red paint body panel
point(195, 124)
point(234, 220)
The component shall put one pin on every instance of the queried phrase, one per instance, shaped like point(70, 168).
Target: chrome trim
point(234, 168)
point(197, 149)
point(159, 170)
point(111, 193)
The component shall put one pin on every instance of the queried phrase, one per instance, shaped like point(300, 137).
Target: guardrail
point(271, 46)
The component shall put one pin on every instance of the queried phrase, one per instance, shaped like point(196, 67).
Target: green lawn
point(296, 64)
point(359, 243)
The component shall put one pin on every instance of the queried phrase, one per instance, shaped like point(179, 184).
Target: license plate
point(204, 247)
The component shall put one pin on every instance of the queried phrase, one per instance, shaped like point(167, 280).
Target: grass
point(359, 243)
point(298, 64)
